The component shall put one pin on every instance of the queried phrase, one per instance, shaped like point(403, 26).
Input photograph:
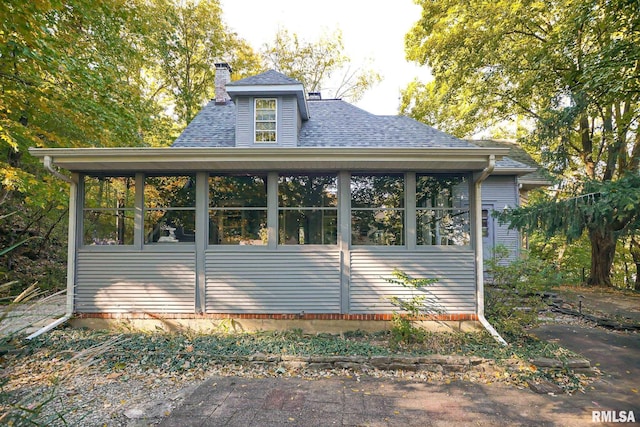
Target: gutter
point(477, 182)
point(48, 164)
point(71, 248)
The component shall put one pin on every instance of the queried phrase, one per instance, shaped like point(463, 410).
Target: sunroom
point(271, 233)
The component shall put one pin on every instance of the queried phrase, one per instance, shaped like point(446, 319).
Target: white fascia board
point(326, 158)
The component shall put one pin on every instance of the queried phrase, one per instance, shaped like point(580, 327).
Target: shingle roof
point(336, 123)
point(268, 78)
point(517, 154)
point(214, 126)
point(332, 123)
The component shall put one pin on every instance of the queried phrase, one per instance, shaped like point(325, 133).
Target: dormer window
point(266, 120)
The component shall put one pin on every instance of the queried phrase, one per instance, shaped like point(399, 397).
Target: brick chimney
point(223, 76)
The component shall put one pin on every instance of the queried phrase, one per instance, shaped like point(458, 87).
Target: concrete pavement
point(231, 401)
point(616, 354)
point(365, 401)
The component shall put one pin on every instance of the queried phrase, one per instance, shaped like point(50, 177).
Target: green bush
point(513, 294)
point(573, 259)
point(524, 275)
point(408, 309)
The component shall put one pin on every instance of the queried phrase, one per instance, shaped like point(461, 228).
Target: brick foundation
point(456, 317)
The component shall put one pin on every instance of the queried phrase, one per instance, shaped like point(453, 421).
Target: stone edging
point(575, 365)
point(432, 363)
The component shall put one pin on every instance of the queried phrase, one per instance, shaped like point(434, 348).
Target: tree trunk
point(603, 249)
point(634, 248)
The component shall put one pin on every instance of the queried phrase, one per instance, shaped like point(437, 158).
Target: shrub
point(513, 296)
point(421, 303)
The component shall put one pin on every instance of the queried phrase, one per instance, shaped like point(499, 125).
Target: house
point(505, 189)
point(278, 204)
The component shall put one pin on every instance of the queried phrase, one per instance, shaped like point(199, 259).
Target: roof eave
point(273, 90)
point(531, 184)
point(270, 158)
point(513, 171)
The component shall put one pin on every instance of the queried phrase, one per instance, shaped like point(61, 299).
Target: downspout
point(71, 248)
point(477, 182)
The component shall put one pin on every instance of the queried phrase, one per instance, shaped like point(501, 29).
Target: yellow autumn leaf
point(635, 390)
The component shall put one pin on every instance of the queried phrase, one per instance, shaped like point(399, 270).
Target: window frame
point(211, 208)
point(403, 210)
point(443, 212)
point(146, 209)
point(344, 211)
point(83, 209)
point(256, 121)
point(281, 209)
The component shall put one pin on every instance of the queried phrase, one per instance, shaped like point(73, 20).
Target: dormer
point(270, 109)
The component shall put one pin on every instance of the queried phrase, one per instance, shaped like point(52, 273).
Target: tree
point(318, 65)
point(188, 39)
point(69, 77)
point(598, 206)
point(571, 66)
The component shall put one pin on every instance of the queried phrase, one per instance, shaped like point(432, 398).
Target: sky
point(371, 30)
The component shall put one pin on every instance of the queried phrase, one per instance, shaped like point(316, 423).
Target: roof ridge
point(269, 77)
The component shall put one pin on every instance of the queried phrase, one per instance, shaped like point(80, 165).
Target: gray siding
point(272, 282)
point(455, 288)
point(129, 281)
point(266, 281)
point(501, 191)
point(244, 122)
point(287, 122)
point(287, 118)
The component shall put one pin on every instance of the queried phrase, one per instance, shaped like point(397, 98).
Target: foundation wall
point(230, 324)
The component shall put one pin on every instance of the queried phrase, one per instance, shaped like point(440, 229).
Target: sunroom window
point(266, 120)
point(108, 211)
point(169, 209)
point(308, 209)
point(377, 209)
point(442, 213)
point(238, 210)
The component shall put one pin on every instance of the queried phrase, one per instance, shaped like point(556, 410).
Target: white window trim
point(255, 120)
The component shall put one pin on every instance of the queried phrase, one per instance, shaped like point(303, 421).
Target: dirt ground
point(603, 302)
